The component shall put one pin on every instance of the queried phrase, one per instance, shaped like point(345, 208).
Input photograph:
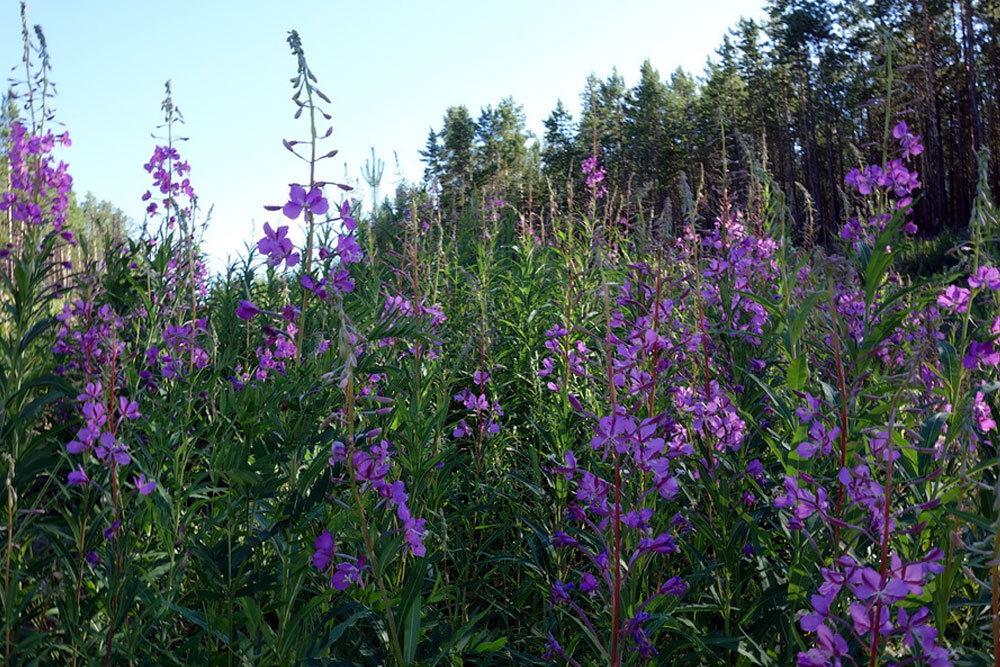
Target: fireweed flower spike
point(372, 468)
point(39, 188)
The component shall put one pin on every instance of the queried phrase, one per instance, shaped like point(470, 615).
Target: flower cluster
point(339, 279)
point(595, 176)
point(868, 598)
point(370, 468)
point(39, 188)
point(893, 179)
point(97, 436)
point(399, 309)
point(171, 181)
point(746, 263)
point(573, 352)
point(486, 412)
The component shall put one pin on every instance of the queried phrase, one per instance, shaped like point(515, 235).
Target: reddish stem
point(616, 593)
point(842, 385)
point(708, 384)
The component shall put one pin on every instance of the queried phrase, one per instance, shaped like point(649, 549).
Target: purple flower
point(109, 449)
point(338, 452)
point(980, 353)
point(277, 247)
point(663, 543)
point(341, 280)
point(112, 530)
point(396, 492)
point(595, 177)
point(821, 612)
point(325, 550)
point(247, 310)
point(76, 446)
point(831, 648)
point(981, 412)
point(592, 490)
point(413, 531)
point(674, 586)
point(954, 298)
point(461, 430)
point(915, 626)
point(144, 486)
point(561, 591)
point(639, 520)
point(570, 468)
point(810, 411)
point(128, 409)
point(554, 649)
point(881, 446)
point(345, 216)
point(347, 574)
point(681, 523)
point(865, 621)
point(614, 430)
point(349, 250)
point(299, 200)
point(78, 476)
point(561, 539)
point(986, 276)
point(639, 636)
point(821, 440)
point(666, 486)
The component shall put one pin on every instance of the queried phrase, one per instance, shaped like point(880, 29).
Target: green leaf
point(798, 372)
point(494, 645)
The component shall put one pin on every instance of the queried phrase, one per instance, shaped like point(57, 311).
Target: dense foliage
point(457, 432)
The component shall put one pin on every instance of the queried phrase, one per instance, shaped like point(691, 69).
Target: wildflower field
point(558, 426)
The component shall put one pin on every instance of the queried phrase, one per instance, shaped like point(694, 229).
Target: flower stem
point(369, 545)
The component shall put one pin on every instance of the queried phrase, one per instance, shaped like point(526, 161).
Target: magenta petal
point(324, 541)
point(897, 589)
point(810, 622)
point(321, 559)
point(321, 206)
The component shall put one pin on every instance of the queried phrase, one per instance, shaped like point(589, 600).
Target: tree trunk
point(935, 158)
point(968, 38)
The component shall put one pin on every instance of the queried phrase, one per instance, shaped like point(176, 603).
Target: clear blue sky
point(390, 68)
